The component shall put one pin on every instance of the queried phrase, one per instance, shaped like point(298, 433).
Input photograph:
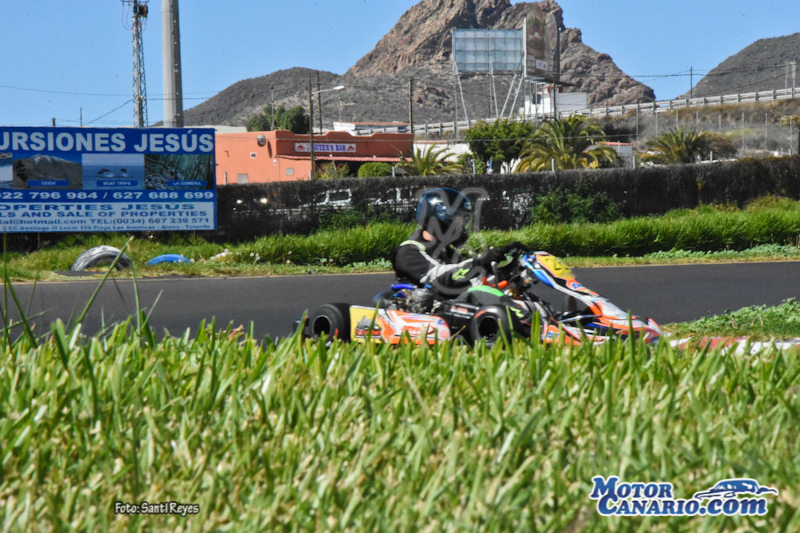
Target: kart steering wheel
point(514, 249)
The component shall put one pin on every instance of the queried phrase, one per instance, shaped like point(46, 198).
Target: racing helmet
point(445, 213)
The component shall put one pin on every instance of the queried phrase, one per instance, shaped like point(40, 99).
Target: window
point(241, 178)
point(290, 171)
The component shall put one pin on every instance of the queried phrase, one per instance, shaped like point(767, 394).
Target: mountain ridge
point(760, 66)
point(418, 48)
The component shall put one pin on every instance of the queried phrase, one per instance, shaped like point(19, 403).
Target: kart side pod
point(367, 324)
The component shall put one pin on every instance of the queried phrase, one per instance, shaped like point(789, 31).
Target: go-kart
point(410, 314)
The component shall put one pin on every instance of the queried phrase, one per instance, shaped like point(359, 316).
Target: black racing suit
point(422, 262)
point(429, 263)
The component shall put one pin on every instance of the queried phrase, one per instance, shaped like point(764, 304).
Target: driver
point(430, 256)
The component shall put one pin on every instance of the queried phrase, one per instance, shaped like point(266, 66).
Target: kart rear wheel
point(491, 324)
point(331, 320)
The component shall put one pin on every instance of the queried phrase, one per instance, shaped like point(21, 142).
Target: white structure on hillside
point(540, 103)
point(368, 128)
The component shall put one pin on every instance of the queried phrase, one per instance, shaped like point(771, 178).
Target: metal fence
point(683, 103)
point(752, 129)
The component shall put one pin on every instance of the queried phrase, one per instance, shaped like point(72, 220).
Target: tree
point(294, 119)
point(568, 143)
point(678, 146)
point(500, 141)
point(430, 162)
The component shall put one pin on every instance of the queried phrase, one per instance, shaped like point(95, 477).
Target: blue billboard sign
point(107, 179)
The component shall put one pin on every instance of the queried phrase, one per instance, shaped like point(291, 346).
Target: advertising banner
point(479, 50)
point(349, 148)
point(107, 179)
point(538, 43)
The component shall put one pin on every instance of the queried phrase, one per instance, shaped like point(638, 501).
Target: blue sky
point(72, 60)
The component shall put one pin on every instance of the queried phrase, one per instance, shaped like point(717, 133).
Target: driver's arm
point(412, 261)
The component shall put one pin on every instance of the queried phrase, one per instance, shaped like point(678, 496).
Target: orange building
point(280, 155)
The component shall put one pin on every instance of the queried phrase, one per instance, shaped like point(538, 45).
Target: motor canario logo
point(729, 497)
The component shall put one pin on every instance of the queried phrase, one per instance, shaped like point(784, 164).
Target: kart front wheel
point(331, 320)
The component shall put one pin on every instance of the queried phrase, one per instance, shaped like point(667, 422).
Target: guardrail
point(682, 103)
point(660, 106)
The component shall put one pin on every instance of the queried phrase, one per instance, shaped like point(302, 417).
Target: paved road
point(665, 293)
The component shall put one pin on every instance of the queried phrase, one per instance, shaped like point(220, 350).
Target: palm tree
point(333, 171)
point(677, 146)
point(430, 162)
point(567, 143)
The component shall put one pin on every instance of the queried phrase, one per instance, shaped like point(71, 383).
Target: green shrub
point(340, 219)
point(375, 169)
point(467, 160)
point(562, 205)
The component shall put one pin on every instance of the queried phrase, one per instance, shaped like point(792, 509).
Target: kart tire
point(332, 320)
point(490, 323)
point(100, 255)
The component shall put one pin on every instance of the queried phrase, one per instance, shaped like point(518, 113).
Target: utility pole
point(558, 72)
point(691, 83)
point(319, 103)
point(272, 106)
point(742, 131)
point(411, 110)
point(171, 64)
point(556, 66)
point(455, 108)
point(139, 13)
point(311, 126)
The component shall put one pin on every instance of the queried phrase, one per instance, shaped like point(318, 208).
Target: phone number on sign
point(116, 195)
point(156, 221)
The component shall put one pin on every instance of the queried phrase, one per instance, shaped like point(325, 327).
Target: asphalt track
point(271, 304)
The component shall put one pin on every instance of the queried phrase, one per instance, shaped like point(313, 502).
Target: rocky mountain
point(762, 66)
point(419, 47)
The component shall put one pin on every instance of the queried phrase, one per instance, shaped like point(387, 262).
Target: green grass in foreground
point(756, 322)
point(302, 437)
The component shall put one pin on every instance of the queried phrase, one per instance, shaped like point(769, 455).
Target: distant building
point(541, 105)
point(367, 128)
point(624, 152)
point(280, 155)
point(224, 128)
point(454, 148)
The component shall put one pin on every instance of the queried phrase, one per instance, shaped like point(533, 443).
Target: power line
point(51, 91)
point(126, 102)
